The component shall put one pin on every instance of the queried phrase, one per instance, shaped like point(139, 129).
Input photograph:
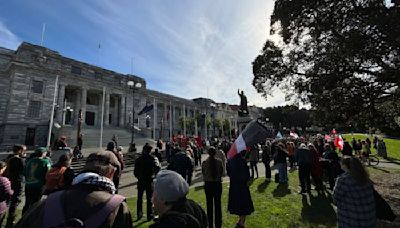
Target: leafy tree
point(341, 56)
point(226, 123)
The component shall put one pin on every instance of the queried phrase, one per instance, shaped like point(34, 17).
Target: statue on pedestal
point(243, 110)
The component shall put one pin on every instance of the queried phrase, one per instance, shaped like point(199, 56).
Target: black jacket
point(280, 156)
point(146, 166)
point(184, 214)
point(182, 164)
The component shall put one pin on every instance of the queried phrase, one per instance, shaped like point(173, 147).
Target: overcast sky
point(178, 47)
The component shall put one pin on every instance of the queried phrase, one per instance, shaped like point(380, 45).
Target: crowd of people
point(90, 198)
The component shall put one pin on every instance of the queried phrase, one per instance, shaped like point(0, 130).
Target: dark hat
point(99, 160)
point(111, 146)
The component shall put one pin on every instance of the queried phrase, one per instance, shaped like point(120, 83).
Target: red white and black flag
point(255, 132)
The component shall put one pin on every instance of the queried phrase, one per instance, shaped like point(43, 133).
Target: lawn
point(275, 206)
point(281, 206)
point(392, 145)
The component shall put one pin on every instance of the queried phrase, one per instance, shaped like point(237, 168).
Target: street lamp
point(213, 105)
point(132, 85)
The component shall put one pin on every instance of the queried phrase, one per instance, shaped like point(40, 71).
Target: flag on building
point(255, 132)
point(146, 109)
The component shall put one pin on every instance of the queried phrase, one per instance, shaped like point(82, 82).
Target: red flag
point(339, 142)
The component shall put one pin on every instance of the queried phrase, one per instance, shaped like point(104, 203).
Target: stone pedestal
point(242, 122)
point(149, 132)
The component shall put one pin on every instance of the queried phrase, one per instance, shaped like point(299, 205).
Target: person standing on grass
point(316, 168)
point(266, 159)
point(220, 154)
point(303, 158)
point(146, 167)
point(254, 158)
point(5, 192)
point(182, 163)
point(354, 196)
point(281, 162)
point(212, 170)
point(290, 149)
point(35, 177)
point(239, 201)
point(332, 166)
point(15, 173)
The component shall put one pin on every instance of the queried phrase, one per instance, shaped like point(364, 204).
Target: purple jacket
point(6, 193)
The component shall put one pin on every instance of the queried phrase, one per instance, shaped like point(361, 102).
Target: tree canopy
point(341, 56)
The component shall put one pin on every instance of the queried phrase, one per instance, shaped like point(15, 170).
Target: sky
point(188, 49)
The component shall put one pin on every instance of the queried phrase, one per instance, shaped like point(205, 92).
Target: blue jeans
point(282, 169)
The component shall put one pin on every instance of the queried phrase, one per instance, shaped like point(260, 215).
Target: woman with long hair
point(239, 202)
point(316, 168)
point(353, 194)
point(212, 169)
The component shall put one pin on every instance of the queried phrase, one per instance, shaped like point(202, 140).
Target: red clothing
point(316, 168)
point(199, 141)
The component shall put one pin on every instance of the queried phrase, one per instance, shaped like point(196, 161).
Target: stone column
point(83, 103)
point(60, 103)
point(107, 109)
point(122, 111)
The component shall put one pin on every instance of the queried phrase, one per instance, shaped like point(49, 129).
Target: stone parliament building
point(28, 88)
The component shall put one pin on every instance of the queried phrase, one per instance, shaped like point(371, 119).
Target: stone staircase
point(91, 136)
point(77, 165)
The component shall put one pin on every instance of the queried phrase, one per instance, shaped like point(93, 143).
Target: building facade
point(32, 77)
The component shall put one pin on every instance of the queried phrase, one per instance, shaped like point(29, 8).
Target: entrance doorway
point(89, 120)
point(30, 136)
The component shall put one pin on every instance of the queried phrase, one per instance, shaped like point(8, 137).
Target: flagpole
point(102, 118)
point(195, 125)
point(98, 55)
point(170, 121)
point(155, 118)
point(52, 112)
point(184, 120)
point(43, 30)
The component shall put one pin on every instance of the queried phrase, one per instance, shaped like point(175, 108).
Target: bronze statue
point(243, 110)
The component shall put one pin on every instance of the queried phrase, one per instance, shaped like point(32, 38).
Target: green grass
point(392, 145)
point(275, 206)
